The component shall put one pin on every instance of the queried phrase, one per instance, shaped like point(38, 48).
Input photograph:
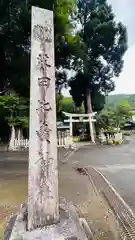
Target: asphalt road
point(117, 164)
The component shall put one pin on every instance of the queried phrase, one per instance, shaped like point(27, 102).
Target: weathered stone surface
point(43, 180)
point(12, 139)
point(68, 228)
point(118, 137)
point(9, 227)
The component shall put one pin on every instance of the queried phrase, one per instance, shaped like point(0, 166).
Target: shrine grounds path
point(116, 163)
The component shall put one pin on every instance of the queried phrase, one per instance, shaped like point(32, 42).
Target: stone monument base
point(70, 227)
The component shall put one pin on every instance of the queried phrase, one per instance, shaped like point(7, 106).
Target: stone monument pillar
point(43, 217)
point(43, 175)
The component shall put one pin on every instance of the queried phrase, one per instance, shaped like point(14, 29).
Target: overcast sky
point(125, 11)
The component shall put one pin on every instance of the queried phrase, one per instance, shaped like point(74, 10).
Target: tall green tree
point(115, 118)
point(104, 44)
point(15, 25)
point(14, 111)
point(66, 104)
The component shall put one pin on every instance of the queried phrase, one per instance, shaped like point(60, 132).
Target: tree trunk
point(87, 102)
point(87, 107)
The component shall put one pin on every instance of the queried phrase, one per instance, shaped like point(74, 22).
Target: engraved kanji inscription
point(42, 61)
point(42, 33)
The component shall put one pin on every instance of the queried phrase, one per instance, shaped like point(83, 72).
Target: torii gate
point(86, 117)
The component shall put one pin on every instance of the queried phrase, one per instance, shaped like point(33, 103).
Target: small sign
point(81, 119)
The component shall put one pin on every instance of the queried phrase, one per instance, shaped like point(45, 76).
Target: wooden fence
point(62, 141)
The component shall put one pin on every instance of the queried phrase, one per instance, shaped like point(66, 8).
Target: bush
point(117, 142)
point(127, 134)
point(76, 139)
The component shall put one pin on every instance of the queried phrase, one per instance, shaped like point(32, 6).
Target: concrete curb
point(115, 192)
point(122, 211)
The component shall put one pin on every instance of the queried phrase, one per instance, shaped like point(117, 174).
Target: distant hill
point(113, 100)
